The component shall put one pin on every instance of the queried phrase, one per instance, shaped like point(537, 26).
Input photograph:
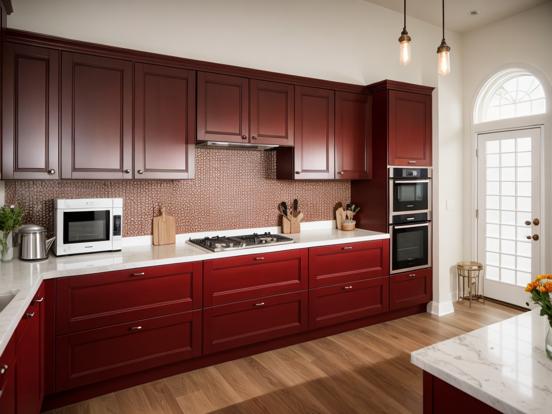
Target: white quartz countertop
point(25, 277)
point(503, 364)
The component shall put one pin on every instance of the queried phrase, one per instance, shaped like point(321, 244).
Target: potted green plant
point(10, 219)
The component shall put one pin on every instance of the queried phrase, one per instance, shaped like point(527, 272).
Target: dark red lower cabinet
point(346, 302)
point(244, 323)
point(410, 289)
point(100, 354)
point(7, 379)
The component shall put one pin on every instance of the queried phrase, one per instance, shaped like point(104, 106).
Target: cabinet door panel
point(244, 323)
point(314, 133)
point(96, 117)
point(410, 288)
point(353, 153)
point(7, 378)
point(30, 112)
point(29, 362)
point(254, 276)
point(409, 128)
point(164, 122)
point(222, 108)
point(93, 301)
point(347, 302)
point(331, 265)
point(100, 354)
point(271, 113)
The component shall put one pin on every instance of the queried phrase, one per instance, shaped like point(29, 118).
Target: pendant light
point(404, 42)
point(443, 52)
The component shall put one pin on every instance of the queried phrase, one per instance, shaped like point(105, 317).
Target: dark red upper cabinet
point(353, 152)
point(30, 112)
point(409, 128)
point(164, 122)
point(313, 154)
point(96, 117)
point(222, 108)
point(271, 120)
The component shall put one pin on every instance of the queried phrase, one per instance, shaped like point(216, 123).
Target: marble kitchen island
point(499, 368)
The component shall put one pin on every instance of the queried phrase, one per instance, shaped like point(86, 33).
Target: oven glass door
point(410, 195)
point(86, 226)
point(410, 247)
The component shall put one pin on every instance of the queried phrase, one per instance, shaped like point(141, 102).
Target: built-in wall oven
point(410, 218)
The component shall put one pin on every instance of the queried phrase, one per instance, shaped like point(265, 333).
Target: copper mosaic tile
point(232, 189)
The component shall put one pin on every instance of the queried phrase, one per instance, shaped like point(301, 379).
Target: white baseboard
point(440, 308)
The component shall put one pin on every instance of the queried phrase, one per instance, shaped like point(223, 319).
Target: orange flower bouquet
point(540, 289)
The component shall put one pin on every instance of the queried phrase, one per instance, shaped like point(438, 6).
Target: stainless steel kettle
point(33, 244)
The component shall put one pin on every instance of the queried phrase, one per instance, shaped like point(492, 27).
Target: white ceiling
point(457, 17)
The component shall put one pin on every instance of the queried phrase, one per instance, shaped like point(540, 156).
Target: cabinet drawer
point(244, 323)
point(95, 301)
point(346, 302)
point(342, 263)
point(410, 288)
point(254, 276)
point(100, 354)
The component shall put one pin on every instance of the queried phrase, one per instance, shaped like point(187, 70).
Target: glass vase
point(548, 342)
point(7, 250)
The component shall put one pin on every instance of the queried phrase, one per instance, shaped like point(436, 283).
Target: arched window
point(510, 94)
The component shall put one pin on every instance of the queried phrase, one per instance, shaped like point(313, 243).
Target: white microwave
point(88, 225)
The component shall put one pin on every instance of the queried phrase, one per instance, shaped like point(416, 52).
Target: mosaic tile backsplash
point(232, 189)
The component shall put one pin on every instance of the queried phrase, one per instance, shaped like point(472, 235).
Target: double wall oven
point(410, 218)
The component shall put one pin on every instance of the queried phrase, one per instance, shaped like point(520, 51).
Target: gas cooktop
point(224, 243)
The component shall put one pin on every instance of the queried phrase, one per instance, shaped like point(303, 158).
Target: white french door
point(509, 206)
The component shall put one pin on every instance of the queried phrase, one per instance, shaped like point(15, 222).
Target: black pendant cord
point(443, 9)
point(404, 26)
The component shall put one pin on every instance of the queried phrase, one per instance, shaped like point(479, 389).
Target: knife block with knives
point(291, 217)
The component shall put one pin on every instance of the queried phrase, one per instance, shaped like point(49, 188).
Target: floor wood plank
point(361, 371)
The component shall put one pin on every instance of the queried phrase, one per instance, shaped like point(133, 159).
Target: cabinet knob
point(4, 369)
point(253, 137)
point(412, 275)
point(412, 162)
point(244, 136)
point(297, 172)
point(341, 172)
point(135, 328)
point(51, 171)
point(127, 171)
point(140, 171)
point(29, 315)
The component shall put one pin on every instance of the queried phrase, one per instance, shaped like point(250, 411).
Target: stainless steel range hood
point(236, 145)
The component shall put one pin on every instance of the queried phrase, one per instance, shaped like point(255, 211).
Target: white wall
point(523, 39)
point(343, 40)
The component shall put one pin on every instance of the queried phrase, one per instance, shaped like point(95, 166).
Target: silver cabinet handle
point(259, 258)
point(259, 304)
point(412, 275)
point(349, 287)
point(39, 300)
point(136, 274)
point(140, 171)
point(30, 315)
point(51, 171)
point(347, 248)
point(4, 369)
point(135, 328)
point(412, 162)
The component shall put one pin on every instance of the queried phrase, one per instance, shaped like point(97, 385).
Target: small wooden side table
point(470, 276)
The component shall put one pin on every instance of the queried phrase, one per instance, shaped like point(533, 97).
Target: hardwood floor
point(363, 371)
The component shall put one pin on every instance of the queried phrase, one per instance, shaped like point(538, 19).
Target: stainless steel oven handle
point(408, 226)
point(410, 181)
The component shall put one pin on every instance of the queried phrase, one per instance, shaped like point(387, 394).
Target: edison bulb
point(405, 52)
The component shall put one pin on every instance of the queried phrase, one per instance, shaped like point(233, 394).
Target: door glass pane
point(508, 186)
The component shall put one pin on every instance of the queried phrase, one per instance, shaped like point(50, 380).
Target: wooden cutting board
point(164, 229)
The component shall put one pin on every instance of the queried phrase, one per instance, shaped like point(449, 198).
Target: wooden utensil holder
point(292, 225)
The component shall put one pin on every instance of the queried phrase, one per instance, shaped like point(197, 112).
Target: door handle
point(535, 222)
point(534, 237)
